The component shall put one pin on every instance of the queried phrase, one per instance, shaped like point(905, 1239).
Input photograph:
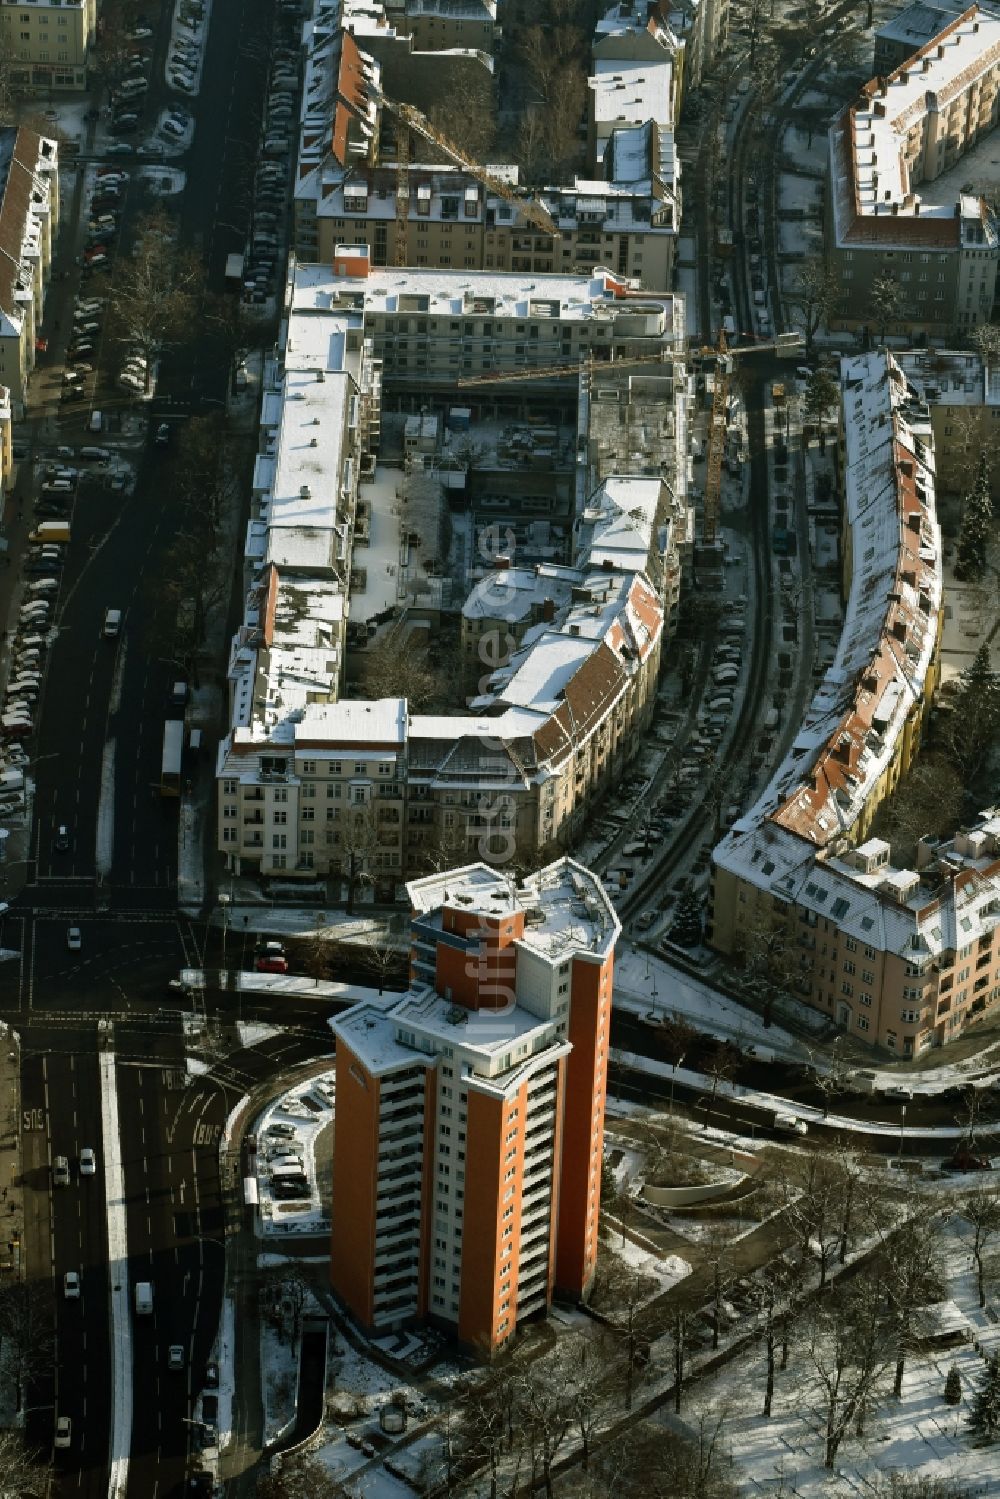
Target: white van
point(96, 423)
point(143, 1298)
point(112, 622)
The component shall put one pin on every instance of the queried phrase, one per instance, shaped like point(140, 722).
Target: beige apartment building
point(551, 723)
point(431, 328)
point(48, 42)
point(897, 205)
point(779, 875)
point(29, 215)
point(440, 25)
point(625, 217)
point(455, 222)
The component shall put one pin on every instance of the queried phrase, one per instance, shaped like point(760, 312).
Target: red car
point(270, 959)
point(966, 1160)
point(271, 963)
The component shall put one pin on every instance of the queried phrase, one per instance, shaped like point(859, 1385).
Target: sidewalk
point(12, 1200)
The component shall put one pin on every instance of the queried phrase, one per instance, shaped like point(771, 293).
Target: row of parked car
point(271, 181)
point(184, 57)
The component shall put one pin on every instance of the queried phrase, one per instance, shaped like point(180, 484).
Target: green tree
point(885, 303)
point(685, 929)
point(953, 1387)
point(973, 724)
point(822, 395)
point(984, 1417)
point(977, 528)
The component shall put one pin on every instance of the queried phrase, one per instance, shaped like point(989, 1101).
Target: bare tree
point(545, 1417)
point(26, 1342)
point(717, 1251)
point(814, 1190)
point(359, 846)
point(23, 1475)
point(399, 667)
point(886, 303)
point(300, 1476)
point(774, 1289)
point(467, 113)
point(815, 297)
point(981, 1210)
point(648, 1461)
point(153, 296)
point(387, 963)
point(587, 1369)
point(929, 799)
point(850, 1353)
point(8, 93)
point(910, 1274)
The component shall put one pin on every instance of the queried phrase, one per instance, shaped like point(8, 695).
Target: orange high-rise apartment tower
point(470, 1111)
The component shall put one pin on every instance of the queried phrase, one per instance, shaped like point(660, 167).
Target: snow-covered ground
point(918, 1435)
point(644, 984)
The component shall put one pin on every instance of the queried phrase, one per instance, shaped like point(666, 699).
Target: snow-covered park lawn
point(918, 1435)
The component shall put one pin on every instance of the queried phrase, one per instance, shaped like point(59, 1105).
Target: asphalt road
point(96, 764)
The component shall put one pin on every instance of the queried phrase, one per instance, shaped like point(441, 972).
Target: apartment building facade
point(443, 25)
point(48, 42)
point(455, 222)
point(6, 441)
point(910, 128)
point(862, 728)
point(548, 725)
point(410, 71)
point(29, 216)
point(962, 391)
point(430, 329)
point(467, 1163)
point(625, 216)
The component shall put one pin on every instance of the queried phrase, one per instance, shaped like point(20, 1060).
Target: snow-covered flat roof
point(630, 93)
point(380, 723)
point(568, 910)
point(389, 291)
point(876, 141)
point(511, 593)
point(951, 377)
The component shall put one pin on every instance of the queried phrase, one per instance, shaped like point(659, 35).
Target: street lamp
point(679, 1063)
point(224, 901)
point(902, 1127)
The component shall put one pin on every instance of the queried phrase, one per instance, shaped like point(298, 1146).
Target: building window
point(863, 1023)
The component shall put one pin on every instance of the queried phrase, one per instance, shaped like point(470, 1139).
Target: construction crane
point(402, 194)
point(571, 371)
point(785, 343)
point(412, 119)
